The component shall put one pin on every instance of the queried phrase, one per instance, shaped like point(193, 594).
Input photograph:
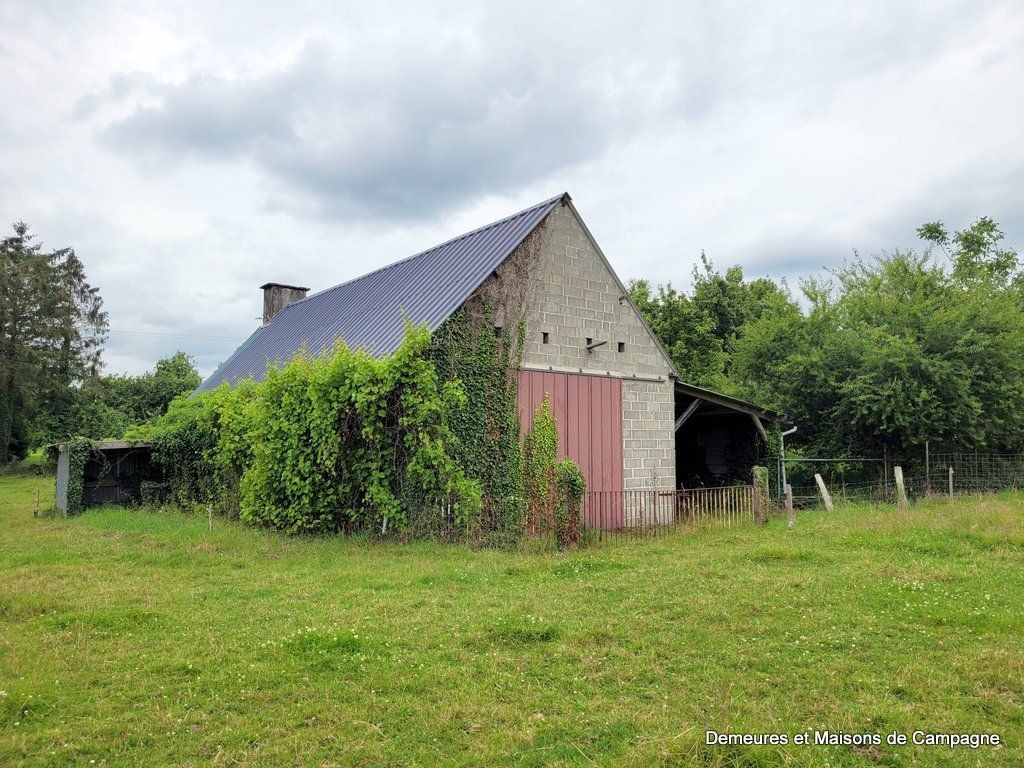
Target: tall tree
point(689, 336)
point(976, 253)
point(105, 406)
point(700, 330)
point(52, 326)
point(898, 349)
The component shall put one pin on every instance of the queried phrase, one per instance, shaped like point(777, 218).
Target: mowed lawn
point(140, 638)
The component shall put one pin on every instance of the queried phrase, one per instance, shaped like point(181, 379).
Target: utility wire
point(174, 335)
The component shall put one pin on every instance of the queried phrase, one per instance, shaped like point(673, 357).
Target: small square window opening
point(622, 346)
point(544, 338)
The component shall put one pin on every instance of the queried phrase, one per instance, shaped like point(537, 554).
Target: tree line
point(52, 330)
point(884, 352)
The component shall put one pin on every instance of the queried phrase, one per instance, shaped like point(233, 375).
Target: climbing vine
point(540, 456)
point(468, 350)
point(480, 346)
point(570, 485)
point(338, 442)
point(352, 441)
point(79, 451)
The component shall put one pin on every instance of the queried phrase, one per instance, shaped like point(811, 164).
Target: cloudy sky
point(193, 151)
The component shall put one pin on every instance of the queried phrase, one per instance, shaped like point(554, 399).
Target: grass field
point(141, 638)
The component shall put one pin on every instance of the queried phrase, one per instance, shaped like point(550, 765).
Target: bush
point(342, 442)
point(200, 446)
point(540, 454)
point(153, 493)
point(570, 485)
point(354, 442)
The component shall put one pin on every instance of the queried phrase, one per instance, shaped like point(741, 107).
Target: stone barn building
point(623, 414)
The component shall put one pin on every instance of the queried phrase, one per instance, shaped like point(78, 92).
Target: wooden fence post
point(901, 489)
point(35, 510)
point(950, 485)
point(927, 469)
point(789, 506)
point(209, 517)
point(760, 495)
point(825, 495)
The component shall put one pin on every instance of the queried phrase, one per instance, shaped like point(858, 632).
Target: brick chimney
point(277, 296)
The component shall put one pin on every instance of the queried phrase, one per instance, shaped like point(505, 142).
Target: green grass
point(141, 638)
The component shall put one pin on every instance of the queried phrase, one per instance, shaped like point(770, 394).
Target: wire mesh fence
point(948, 474)
point(635, 514)
point(976, 472)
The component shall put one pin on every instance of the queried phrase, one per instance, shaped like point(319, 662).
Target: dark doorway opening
point(719, 440)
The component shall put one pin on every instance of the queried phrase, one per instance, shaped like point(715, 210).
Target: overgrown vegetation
point(344, 441)
point(424, 442)
point(79, 452)
point(466, 349)
point(148, 639)
point(540, 457)
point(105, 406)
point(570, 485)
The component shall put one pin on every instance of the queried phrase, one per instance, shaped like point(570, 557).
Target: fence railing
point(640, 513)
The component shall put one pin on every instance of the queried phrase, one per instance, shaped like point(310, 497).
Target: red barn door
point(588, 413)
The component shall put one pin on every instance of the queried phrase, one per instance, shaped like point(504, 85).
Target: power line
point(174, 335)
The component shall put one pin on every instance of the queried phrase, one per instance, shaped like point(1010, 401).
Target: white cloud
point(190, 153)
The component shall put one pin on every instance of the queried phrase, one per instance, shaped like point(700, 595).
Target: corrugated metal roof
point(368, 312)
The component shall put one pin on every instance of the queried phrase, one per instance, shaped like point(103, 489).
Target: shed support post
point(690, 410)
point(760, 428)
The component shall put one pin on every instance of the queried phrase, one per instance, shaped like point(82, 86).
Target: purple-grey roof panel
point(369, 312)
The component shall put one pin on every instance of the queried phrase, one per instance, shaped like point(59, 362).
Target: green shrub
point(540, 454)
point(352, 442)
point(570, 485)
point(338, 442)
point(153, 493)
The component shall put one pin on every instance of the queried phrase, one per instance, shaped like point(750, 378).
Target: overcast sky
point(191, 153)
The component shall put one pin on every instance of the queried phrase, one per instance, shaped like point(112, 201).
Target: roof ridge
point(361, 311)
point(485, 227)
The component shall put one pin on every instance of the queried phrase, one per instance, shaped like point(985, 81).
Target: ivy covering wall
point(468, 350)
point(79, 452)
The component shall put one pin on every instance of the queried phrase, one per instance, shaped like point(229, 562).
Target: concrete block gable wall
point(577, 298)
